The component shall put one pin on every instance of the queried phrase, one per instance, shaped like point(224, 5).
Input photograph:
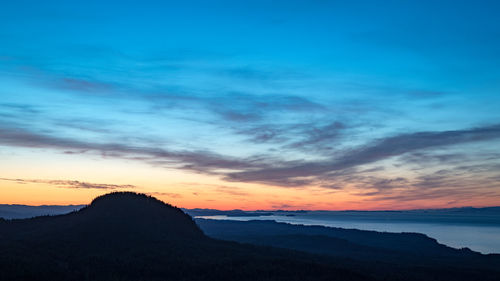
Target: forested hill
point(128, 236)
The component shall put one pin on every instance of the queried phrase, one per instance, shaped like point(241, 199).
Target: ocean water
point(477, 237)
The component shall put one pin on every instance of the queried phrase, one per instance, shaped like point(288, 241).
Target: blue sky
point(388, 100)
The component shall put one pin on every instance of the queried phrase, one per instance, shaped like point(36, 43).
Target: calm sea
point(481, 238)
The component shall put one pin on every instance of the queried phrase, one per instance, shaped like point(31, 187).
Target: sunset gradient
point(317, 105)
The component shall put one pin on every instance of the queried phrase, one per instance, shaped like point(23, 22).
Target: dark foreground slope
point(406, 251)
point(342, 241)
point(127, 236)
point(381, 253)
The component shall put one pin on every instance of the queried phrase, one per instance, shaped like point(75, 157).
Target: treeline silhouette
point(129, 236)
point(412, 256)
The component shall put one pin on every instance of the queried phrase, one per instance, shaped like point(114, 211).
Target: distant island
point(129, 236)
point(486, 215)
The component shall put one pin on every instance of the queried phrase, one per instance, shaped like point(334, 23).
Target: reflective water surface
point(481, 238)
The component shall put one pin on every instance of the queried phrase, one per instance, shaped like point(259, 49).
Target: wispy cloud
point(72, 184)
point(382, 149)
point(265, 170)
point(167, 194)
point(322, 108)
point(201, 161)
point(82, 85)
point(233, 191)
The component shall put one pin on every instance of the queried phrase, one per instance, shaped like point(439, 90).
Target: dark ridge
point(116, 217)
point(129, 236)
point(408, 243)
point(129, 212)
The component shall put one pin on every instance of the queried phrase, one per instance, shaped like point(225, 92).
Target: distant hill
point(468, 215)
point(230, 213)
point(128, 236)
point(24, 211)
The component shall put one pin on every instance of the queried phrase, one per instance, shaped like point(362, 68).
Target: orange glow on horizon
point(190, 196)
point(44, 184)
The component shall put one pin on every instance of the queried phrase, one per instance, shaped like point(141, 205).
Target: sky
point(329, 105)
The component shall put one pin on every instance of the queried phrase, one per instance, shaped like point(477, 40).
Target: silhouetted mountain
point(128, 236)
point(465, 215)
